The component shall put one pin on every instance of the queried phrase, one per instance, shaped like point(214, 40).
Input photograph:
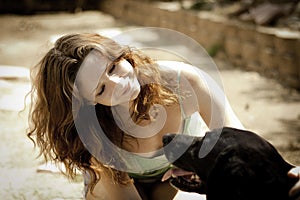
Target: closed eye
point(101, 90)
point(129, 60)
point(112, 68)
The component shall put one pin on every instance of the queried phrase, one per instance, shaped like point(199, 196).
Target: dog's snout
point(168, 138)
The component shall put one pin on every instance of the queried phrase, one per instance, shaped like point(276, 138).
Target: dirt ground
point(261, 104)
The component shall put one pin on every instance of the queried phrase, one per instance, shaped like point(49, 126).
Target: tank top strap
point(179, 95)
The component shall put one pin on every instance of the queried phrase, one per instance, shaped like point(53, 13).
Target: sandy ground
point(261, 104)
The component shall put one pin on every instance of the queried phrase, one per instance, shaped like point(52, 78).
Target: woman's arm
point(107, 189)
point(212, 103)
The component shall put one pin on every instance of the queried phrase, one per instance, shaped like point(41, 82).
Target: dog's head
point(237, 164)
point(183, 152)
point(180, 149)
point(190, 152)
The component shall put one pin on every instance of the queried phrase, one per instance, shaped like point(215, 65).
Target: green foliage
point(214, 49)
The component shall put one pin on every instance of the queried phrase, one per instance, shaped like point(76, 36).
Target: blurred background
point(255, 44)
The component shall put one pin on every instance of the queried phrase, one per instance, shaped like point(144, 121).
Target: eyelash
point(114, 65)
point(109, 71)
point(102, 90)
point(103, 86)
point(112, 69)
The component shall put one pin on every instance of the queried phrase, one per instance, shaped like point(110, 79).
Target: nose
point(168, 138)
point(115, 79)
point(117, 82)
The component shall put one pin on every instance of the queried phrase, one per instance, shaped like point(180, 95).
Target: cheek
point(105, 99)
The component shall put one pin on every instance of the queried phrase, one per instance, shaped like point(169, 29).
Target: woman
point(134, 100)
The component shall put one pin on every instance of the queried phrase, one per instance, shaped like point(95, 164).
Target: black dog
point(240, 166)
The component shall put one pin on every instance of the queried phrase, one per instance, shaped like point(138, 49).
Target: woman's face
point(105, 82)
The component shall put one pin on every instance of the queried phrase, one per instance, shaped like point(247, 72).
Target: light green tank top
point(150, 167)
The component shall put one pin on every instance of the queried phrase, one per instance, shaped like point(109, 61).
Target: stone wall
point(272, 52)
point(43, 6)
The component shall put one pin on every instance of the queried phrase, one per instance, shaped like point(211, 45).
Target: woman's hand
point(189, 195)
point(295, 191)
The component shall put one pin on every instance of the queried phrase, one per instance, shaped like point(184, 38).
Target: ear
point(230, 172)
point(230, 164)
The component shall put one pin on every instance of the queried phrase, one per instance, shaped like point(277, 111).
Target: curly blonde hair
point(51, 120)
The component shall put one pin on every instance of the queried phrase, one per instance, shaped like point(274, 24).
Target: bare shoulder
point(187, 71)
point(177, 66)
point(173, 65)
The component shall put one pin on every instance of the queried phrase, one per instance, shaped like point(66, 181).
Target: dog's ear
point(180, 183)
point(230, 172)
point(229, 163)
